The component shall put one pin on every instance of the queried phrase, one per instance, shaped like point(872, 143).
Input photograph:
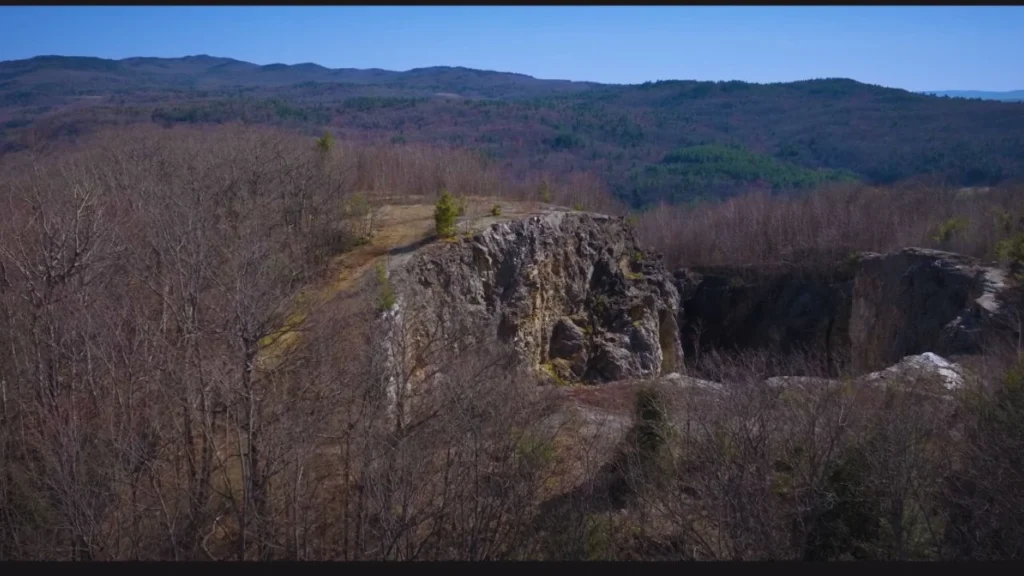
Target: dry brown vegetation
point(143, 276)
point(765, 229)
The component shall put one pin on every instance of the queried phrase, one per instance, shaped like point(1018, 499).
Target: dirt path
point(394, 227)
point(402, 229)
point(399, 230)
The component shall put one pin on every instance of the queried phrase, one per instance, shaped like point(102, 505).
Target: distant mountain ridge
point(211, 72)
point(1010, 96)
point(205, 72)
point(674, 140)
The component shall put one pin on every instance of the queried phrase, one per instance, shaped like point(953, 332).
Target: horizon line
point(924, 92)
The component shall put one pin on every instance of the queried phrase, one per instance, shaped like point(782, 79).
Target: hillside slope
point(618, 132)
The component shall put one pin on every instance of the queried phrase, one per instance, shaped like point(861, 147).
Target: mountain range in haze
point(676, 141)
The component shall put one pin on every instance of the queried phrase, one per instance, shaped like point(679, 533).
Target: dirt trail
point(399, 230)
point(394, 227)
point(402, 229)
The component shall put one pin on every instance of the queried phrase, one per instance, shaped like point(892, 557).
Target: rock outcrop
point(912, 369)
point(579, 299)
point(926, 373)
point(573, 292)
point(919, 300)
point(866, 313)
point(919, 371)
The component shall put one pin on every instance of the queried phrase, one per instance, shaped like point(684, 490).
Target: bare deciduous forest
point(149, 411)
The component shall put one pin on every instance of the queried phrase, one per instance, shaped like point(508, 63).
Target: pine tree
point(445, 213)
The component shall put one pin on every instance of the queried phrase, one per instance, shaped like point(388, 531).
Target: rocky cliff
point(579, 299)
point(918, 300)
point(573, 292)
point(865, 313)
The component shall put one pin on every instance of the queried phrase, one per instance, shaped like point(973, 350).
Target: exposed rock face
point(872, 312)
point(687, 382)
point(577, 297)
point(784, 310)
point(928, 372)
point(913, 368)
point(572, 291)
point(918, 300)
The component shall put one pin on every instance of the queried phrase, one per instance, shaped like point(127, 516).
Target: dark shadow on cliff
point(412, 246)
point(781, 311)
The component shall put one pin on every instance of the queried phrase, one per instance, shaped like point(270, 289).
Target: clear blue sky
point(917, 48)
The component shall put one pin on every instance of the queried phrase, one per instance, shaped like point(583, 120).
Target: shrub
point(987, 495)
point(357, 208)
point(544, 192)
point(598, 537)
point(496, 210)
point(849, 527)
point(1005, 222)
point(445, 213)
point(535, 451)
point(650, 421)
point(950, 229)
point(385, 292)
point(325, 143)
point(1011, 252)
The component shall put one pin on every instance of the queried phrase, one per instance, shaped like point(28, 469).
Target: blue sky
point(916, 48)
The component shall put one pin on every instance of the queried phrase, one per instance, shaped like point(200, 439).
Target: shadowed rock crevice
point(919, 300)
point(782, 311)
point(862, 314)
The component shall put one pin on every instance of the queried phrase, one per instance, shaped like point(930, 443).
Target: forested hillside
point(673, 141)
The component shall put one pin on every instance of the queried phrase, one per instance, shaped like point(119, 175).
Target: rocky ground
point(597, 314)
point(583, 302)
